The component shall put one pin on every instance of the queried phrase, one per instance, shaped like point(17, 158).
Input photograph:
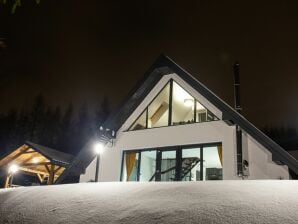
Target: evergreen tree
point(36, 119)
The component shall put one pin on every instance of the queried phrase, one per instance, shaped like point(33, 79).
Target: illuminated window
point(183, 106)
point(140, 123)
point(175, 106)
point(158, 110)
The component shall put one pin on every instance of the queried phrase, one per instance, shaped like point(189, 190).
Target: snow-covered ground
point(191, 202)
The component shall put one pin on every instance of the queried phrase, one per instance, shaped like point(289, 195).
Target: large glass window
point(130, 166)
point(168, 166)
point(158, 110)
point(173, 164)
point(140, 123)
point(174, 106)
point(191, 161)
point(183, 106)
point(148, 165)
point(212, 168)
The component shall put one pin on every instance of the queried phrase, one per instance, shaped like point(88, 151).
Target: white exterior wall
point(260, 163)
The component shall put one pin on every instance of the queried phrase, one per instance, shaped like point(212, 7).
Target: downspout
point(238, 129)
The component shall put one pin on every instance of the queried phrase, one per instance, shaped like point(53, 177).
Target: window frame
point(179, 157)
point(170, 110)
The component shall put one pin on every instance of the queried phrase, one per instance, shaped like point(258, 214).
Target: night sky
point(77, 51)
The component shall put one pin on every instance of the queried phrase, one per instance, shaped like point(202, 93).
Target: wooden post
point(52, 173)
point(40, 177)
point(6, 185)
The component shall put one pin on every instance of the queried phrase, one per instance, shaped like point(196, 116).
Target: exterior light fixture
point(188, 102)
point(13, 169)
point(98, 149)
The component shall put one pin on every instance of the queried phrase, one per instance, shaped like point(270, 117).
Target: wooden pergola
point(45, 163)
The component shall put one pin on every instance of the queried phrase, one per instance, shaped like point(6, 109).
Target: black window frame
point(170, 111)
point(179, 157)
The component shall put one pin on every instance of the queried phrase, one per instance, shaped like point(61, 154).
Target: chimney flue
point(237, 88)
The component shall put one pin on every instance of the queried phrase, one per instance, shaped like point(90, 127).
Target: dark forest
point(65, 130)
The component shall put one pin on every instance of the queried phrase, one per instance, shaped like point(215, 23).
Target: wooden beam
point(40, 178)
point(31, 157)
point(33, 171)
point(159, 112)
point(4, 162)
point(56, 170)
point(47, 168)
point(36, 164)
point(28, 152)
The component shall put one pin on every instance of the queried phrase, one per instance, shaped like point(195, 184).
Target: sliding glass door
point(179, 163)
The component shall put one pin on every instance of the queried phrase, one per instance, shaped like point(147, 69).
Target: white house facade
point(172, 128)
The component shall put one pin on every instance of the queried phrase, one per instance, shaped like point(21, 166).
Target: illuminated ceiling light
point(13, 168)
point(35, 160)
point(98, 148)
point(188, 102)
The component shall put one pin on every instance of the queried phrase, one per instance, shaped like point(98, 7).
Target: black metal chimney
point(237, 88)
point(238, 129)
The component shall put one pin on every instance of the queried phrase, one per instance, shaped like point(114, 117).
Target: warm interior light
point(13, 168)
point(179, 93)
point(98, 148)
point(188, 102)
point(35, 160)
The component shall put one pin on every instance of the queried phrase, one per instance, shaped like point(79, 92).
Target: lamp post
point(12, 170)
point(98, 149)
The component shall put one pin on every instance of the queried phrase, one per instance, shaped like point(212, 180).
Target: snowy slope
point(196, 202)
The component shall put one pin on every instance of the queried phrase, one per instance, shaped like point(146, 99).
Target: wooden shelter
point(45, 163)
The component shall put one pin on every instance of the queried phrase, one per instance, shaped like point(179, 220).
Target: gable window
point(172, 106)
point(158, 110)
point(182, 106)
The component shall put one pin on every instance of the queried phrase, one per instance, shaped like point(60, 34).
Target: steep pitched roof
point(163, 66)
point(52, 154)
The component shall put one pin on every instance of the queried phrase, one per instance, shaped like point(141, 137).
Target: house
point(39, 163)
point(173, 128)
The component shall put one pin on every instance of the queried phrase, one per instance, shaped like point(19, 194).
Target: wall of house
point(260, 163)
point(259, 158)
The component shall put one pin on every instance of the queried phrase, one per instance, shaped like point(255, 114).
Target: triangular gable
point(172, 105)
point(164, 66)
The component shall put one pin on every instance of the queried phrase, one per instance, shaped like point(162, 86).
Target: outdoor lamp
point(13, 169)
point(98, 149)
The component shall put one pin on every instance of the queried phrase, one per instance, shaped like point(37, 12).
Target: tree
point(36, 119)
point(103, 112)
point(15, 4)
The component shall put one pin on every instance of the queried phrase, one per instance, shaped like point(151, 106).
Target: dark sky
point(76, 51)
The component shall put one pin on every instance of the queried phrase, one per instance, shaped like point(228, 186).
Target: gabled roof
point(55, 156)
point(52, 154)
point(163, 66)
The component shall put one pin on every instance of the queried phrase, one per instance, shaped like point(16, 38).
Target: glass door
point(165, 166)
point(191, 164)
point(179, 163)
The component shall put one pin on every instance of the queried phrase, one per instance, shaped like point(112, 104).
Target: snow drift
point(188, 202)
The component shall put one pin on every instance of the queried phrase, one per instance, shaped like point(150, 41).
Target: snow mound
point(188, 202)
